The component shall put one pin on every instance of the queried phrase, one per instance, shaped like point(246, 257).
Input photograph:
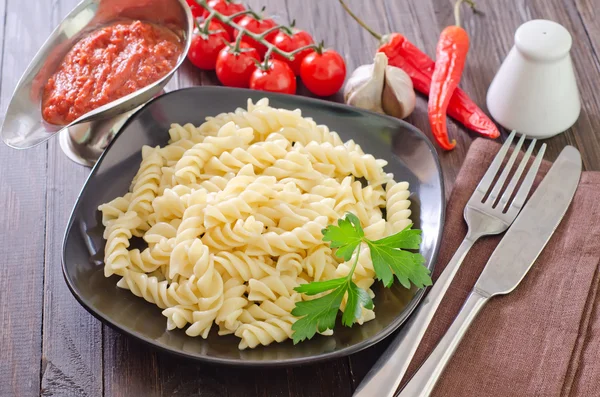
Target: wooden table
point(51, 346)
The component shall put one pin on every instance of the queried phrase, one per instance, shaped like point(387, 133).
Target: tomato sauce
point(110, 63)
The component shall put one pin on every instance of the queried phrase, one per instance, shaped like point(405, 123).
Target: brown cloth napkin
point(543, 339)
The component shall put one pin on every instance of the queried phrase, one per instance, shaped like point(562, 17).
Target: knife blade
point(534, 226)
point(509, 263)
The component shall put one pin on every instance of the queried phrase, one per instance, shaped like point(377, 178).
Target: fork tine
point(523, 191)
point(515, 178)
point(500, 183)
point(488, 178)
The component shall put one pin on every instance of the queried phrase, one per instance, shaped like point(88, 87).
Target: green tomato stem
point(319, 48)
point(264, 34)
point(265, 65)
point(239, 14)
point(238, 41)
point(205, 29)
point(298, 50)
point(260, 38)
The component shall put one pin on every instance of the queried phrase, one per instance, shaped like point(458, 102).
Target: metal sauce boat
point(85, 139)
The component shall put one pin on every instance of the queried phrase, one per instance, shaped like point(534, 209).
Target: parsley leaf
point(346, 236)
point(316, 287)
point(407, 239)
point(406, 266)
point(319, 314)
point(389, 259)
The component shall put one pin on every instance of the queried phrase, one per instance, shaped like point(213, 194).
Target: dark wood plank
point(590, 17)
point(72, 339)
point(129, 367)
point(586, 60)
point(4, 98)
point(22, 220)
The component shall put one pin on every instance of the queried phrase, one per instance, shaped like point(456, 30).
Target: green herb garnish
point(389, 258)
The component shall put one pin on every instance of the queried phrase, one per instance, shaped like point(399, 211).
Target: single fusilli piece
point(118, 232)
point(233, 235)
point(397, 206)
point(239, 265)
point(147, 180)
point(234, 302)
point(303, 237)
point(346, 162)
point(261, 155)
point(265, 332)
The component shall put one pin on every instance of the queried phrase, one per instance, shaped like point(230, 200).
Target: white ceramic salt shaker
point(535, 91)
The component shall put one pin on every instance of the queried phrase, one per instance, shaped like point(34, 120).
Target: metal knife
point(509, 263)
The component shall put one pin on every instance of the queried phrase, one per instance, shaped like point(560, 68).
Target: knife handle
point(387, 373)
point(423, 382)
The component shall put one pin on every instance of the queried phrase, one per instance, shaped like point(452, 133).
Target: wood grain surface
point(52, 347)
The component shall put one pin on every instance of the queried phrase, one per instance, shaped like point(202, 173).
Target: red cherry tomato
point(323, 74)
point(205, 48)
point(226, 8)
point(197, 10)
point(278, 77)
point(234, 69)
point(288, 43)
point(257, 26)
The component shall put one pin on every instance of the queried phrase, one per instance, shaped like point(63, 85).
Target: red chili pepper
point(451, 55)
point(405, 55)
point(450, 59)
point(419, 66)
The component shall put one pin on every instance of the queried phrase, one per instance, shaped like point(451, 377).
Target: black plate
point(411, 158)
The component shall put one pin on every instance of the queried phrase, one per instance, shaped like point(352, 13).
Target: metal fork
point(485, 215)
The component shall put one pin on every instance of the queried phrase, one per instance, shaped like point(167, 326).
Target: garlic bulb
point(381, 88)
point(365, 86)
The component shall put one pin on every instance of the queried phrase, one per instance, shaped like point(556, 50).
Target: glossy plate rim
point(343, 352)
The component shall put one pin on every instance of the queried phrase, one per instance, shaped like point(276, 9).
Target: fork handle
point(385, 376)
point(424, 381)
